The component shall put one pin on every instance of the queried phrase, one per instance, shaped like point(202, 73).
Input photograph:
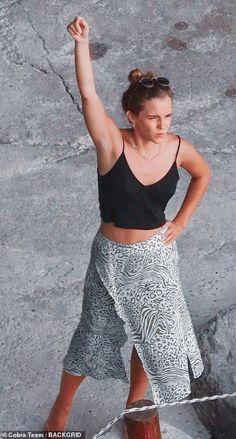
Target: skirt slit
point(136, 285)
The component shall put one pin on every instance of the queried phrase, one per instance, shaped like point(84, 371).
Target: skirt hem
point(99, 378)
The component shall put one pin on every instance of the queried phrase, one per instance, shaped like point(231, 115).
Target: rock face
point(217, 341)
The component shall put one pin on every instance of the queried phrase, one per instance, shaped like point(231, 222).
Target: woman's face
point(155, 119)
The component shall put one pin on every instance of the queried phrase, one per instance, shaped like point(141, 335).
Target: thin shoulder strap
point(123, 143)
point(178, 147)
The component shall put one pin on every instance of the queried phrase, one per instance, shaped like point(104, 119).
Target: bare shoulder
point(191, 160)
point(171, 147)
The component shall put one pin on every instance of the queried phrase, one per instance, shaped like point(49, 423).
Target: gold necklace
point(137, 149)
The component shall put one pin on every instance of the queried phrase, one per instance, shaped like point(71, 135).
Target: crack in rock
point(68, 157)
point(82, 147)
point(66, 87)
point(86, 147)
point(55, 269)
point(9, 47)
point(36, 165)
point(210, 252)
point(12, 53)
point(38, 69)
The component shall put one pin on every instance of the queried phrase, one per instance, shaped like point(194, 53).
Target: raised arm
point(100, 125)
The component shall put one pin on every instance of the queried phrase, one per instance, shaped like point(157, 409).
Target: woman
point(132, 275)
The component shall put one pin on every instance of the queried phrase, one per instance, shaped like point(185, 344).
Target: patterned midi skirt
point(136, 285)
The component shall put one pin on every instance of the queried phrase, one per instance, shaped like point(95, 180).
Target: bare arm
point(84, 69)
point(100, 125)
point(201, 174)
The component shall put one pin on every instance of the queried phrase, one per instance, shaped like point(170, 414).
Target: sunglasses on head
point(150, 82)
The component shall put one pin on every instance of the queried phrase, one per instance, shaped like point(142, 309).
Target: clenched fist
point(78, 29)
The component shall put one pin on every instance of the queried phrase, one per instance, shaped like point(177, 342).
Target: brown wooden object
point(143, 424)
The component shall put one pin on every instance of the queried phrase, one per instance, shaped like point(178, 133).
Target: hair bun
point(134, 75)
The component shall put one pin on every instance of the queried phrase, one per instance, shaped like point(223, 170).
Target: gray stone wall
point(49, 209)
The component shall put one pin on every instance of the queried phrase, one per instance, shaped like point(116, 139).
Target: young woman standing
point(132, 275)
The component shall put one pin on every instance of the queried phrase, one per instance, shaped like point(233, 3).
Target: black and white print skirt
point(136, 285)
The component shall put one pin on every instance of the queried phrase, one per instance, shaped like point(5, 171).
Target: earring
point(133, 124)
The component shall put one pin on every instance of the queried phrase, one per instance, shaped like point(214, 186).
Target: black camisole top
point(124, 200)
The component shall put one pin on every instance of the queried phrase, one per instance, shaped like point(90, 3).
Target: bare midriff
point(126, 236)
